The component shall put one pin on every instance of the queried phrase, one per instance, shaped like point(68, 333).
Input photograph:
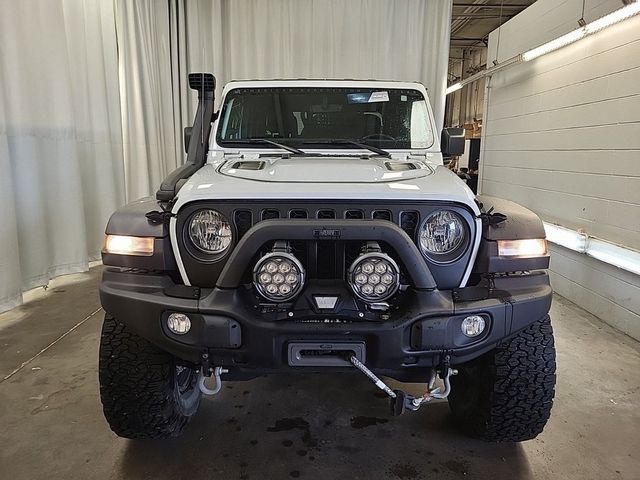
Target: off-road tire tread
point(516, 388)
point(137, 385)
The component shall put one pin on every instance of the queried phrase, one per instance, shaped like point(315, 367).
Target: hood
point(322, 178)
point(334, 169)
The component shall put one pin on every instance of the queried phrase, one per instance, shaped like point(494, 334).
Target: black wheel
point(145, 393)
point(507, 394)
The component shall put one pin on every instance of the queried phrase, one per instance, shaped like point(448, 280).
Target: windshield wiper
point(340, 141)
point(288, 148)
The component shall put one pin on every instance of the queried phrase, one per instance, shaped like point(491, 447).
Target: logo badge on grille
point(326, 303)
point(327, 234)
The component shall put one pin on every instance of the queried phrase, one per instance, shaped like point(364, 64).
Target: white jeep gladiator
point(313, 228)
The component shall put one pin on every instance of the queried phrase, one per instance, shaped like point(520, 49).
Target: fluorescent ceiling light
point(593, 27)
point(566, 237)
point(453, 88)
point(613, 254)
point(573, 36)
point(607, 252)
point(554, 44)
point(613, 18)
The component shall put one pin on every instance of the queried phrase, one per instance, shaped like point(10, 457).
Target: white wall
point(562, 137)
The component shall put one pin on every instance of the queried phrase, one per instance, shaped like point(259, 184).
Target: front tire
point(507, 394)
point(145, 393)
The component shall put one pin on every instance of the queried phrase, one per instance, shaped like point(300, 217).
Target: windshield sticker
point(358, 97)
point(366, 97)
point(379, 97)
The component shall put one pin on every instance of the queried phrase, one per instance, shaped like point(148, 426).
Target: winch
point(400, 400)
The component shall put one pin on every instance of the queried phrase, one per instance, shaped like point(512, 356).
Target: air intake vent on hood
point(248, 165)
point(400, 166)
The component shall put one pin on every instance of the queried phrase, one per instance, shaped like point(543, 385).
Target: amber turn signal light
point(127, 245)
point(531, 247)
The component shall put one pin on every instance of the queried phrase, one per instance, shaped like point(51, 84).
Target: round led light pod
point(473, 325)
point(178, 323)
point(374, 277)
point(278, 276)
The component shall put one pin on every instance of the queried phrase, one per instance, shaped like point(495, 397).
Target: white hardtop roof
point(305, 82)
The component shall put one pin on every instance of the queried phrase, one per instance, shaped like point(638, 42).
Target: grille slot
point(269, 214)
point(243, 220)
point(354, 215)
point(298, 213)
point(381, 215)
point(409, 222)
point(300, 250)
point(326, 261)
point(326, 214)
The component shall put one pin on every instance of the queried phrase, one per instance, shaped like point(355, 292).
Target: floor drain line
point(27, 362)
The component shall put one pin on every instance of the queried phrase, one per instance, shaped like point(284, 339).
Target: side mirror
point(187, 138)
point(452, 142)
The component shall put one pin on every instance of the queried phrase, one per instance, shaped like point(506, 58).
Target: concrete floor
point(51, 424)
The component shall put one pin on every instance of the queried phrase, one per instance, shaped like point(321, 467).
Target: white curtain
point(161, 42)
point(61, 161)
point(93, 98)
point(147, 95)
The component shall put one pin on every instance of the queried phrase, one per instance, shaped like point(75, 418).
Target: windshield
point(312, 116)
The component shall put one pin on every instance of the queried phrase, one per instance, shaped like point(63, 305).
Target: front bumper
point(238, 337)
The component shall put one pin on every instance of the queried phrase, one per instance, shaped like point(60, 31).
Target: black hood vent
point(248, 165)
point(400, 166)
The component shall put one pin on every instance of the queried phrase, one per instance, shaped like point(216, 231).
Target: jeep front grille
point(325, 259)
point(322, 259)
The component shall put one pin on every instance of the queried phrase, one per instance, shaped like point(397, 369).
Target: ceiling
point(473, 20)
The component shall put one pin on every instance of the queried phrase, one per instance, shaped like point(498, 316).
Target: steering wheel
point(380, 136)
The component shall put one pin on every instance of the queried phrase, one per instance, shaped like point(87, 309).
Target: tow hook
point(217, 371)
point(404, 401)
point(400, 400)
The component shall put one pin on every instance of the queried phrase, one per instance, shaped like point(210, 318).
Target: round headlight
point(442, 235)
point(210, 232)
